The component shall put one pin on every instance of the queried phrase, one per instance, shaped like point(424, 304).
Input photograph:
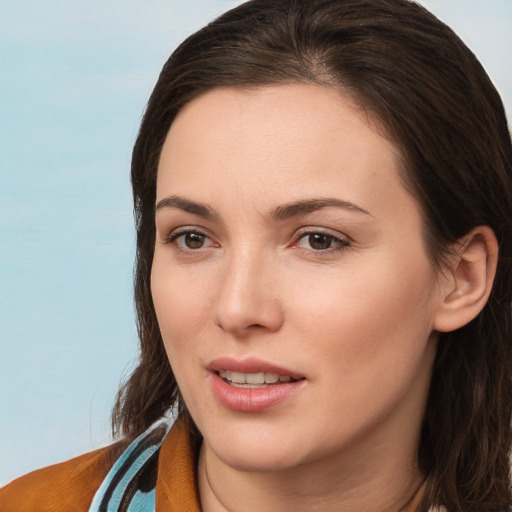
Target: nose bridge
point(246, 298)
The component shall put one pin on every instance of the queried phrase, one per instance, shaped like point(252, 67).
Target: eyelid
point(342, 240)
point(183, 230)
point(176, 233)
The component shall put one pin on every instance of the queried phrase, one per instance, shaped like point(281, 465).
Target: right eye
point(189, 240)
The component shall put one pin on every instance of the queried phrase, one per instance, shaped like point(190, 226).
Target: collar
point(176, 487)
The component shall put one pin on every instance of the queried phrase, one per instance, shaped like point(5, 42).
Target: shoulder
point(65, 487)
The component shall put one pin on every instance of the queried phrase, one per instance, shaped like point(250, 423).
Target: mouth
point(257, 380)
point(252, 385)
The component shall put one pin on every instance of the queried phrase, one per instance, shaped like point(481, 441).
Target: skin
point(353, 314)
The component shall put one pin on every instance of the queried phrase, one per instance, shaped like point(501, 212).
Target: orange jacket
point(70, 486)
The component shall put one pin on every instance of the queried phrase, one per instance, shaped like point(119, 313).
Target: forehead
point(270, 143)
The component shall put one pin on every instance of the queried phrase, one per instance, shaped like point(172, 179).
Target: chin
point(257, 460)
point(257, 449)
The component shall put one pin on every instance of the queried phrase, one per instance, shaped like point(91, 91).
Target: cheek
point(380, 316)
point(371, 348)
point(180, 314)
point(179, 303)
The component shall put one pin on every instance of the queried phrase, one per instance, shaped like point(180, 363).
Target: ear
point(467, 279)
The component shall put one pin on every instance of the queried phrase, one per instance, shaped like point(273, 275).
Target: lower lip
point(252, 399)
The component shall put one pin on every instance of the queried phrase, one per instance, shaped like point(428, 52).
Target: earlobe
point(467, 280)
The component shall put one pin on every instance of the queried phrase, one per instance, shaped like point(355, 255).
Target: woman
point(323, 204)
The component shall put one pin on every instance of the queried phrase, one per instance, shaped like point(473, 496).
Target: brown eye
point(319, 241)
point(193, 240)
point(190, 240)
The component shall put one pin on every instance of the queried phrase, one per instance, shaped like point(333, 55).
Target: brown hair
point(410, 72)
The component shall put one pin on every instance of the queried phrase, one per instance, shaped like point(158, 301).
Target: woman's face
point(290, 279)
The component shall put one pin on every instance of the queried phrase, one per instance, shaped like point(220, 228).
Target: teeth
point(248, 386)
point(271, 378)
point(252, 380)
point(255, 378)
point(239, 378)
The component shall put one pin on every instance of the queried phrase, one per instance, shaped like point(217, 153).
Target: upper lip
point(250, 365)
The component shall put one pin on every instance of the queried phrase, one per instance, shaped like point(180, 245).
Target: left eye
point(321, 241)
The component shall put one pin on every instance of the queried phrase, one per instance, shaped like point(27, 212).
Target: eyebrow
point(307, 206)
point(282, 212)
point(187, 205)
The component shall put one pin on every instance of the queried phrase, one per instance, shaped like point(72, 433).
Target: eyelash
point(340, 243)
point(183, 232)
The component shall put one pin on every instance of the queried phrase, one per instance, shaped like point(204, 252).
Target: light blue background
point(74, 79)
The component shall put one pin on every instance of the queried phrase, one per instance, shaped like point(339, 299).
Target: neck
point(381, 484)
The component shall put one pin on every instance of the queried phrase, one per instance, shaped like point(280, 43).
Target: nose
point(248, 301)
